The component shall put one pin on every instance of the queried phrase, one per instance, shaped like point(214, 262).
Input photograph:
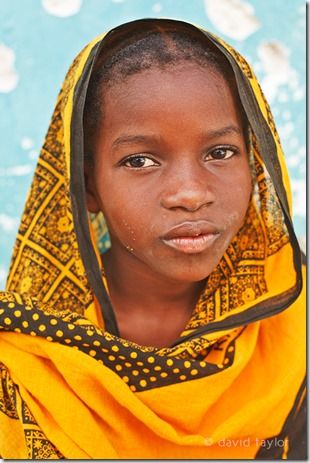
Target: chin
point(192, 278)
point(192, 275)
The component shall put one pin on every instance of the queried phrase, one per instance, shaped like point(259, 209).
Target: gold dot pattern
point(140, 368)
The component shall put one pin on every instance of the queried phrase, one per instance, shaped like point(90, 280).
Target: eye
point(139, 161)
point(221, 153)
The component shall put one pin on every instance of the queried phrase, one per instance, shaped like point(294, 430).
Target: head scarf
point(231, 386)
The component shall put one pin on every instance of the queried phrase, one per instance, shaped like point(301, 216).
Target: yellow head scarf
point(230, 387)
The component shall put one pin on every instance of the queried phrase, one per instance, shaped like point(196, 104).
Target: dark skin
point(170, 151)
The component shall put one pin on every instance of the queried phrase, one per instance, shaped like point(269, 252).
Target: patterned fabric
point(13, 406)
point(71, 388)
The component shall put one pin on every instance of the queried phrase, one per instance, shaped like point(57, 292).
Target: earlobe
point(91, 196)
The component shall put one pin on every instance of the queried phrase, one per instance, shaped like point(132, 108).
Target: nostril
point(188, 192)
point(185, 204)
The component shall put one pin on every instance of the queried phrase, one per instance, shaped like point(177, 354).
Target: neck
point(134, 282)
point(150, 309)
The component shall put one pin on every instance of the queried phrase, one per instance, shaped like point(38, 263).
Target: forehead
point(183, 93)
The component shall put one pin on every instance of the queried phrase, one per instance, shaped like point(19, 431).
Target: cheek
point(237, 199)
point(129, 208)
point(127, 217)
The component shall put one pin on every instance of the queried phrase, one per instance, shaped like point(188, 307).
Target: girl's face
point(171, 172)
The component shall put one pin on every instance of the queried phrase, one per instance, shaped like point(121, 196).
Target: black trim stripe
point(78, 197)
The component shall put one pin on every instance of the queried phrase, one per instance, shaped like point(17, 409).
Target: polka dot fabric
point(139, 367)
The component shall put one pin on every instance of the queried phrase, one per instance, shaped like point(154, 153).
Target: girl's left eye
point(139, 161)
point(221, 153)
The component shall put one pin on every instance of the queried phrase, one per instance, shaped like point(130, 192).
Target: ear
point(91, 193)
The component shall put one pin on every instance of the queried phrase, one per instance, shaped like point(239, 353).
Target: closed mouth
point(191, 237)
point(192, 244)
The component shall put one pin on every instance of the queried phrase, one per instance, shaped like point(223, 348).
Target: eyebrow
point(131, 139)
point(224, 131)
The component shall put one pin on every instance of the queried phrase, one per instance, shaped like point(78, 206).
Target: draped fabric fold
point(232, 385)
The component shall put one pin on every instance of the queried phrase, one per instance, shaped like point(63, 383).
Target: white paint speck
point(298, 94)
point(302, 151)
point(16, 171)
point(33, 154)
point(293, 161)
point(3, 274)
point(62, 8)
point(302, 9)
point(275, 59)
point(26, 143)
point(157, 7)
point(286, 130)
point(8, 223)
point(234, 18)
point(8, 75)
point(299, 197)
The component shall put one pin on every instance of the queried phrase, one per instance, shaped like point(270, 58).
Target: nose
point(189, 188)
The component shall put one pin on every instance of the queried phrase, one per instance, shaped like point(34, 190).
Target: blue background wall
point(39, 39)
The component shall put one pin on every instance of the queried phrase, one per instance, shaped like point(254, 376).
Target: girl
point(154, 305)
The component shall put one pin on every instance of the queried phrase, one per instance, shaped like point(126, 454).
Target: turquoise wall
point(39, 39)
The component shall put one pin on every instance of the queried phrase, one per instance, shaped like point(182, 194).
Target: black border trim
point(78, 196)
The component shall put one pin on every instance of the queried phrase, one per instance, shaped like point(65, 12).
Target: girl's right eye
point(138, 162)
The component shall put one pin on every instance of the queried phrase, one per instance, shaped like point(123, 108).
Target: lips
point(191, 237)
